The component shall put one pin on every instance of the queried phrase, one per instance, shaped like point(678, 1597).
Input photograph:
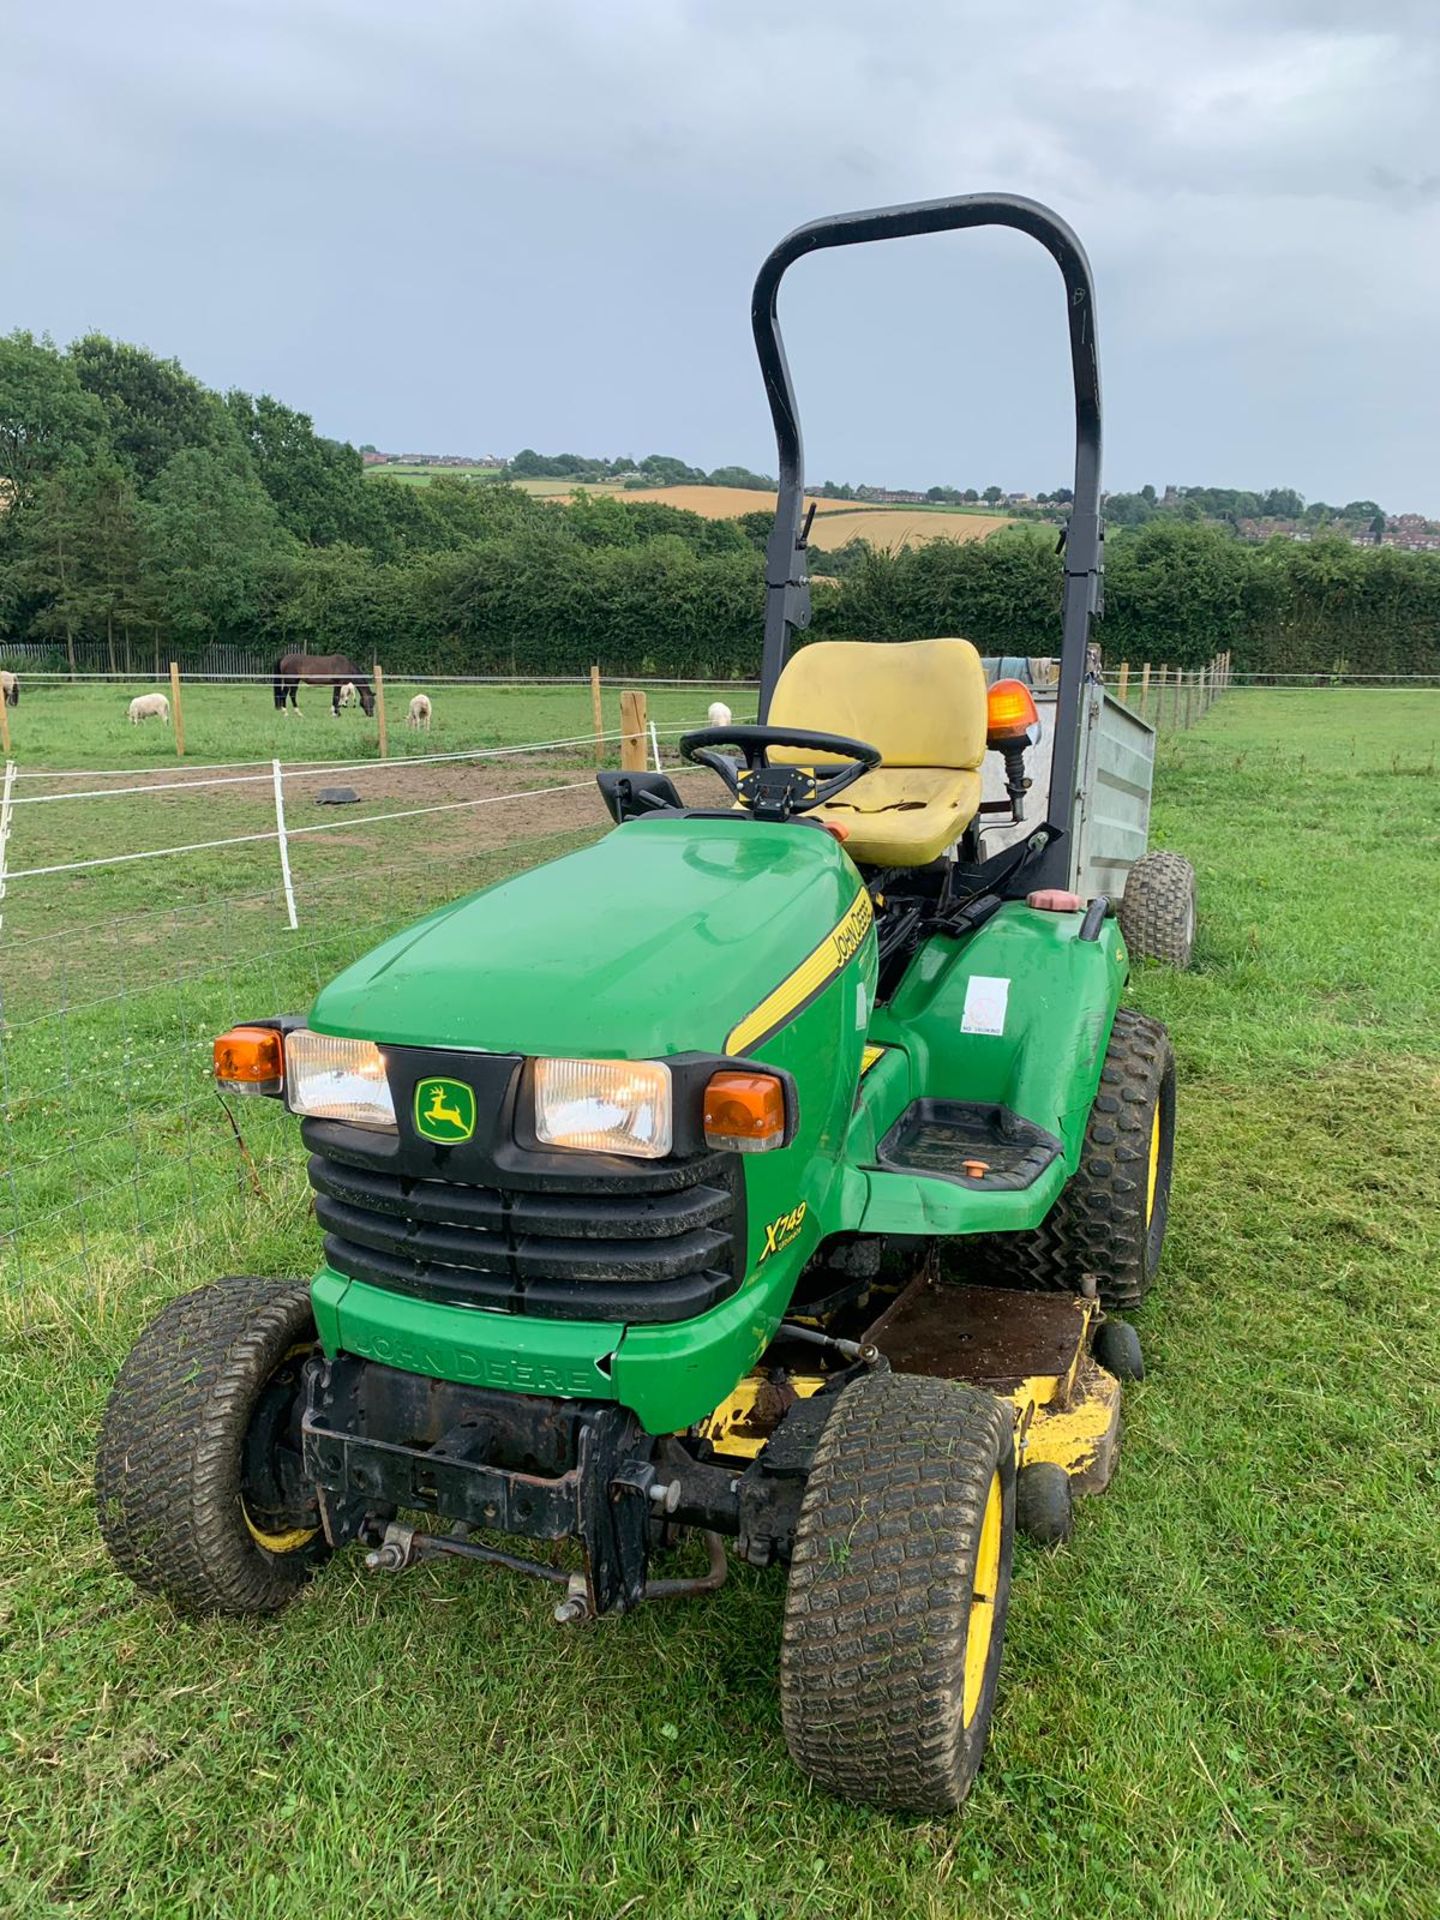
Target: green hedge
point(541, 598)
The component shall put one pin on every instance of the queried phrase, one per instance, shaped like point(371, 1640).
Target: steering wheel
point(774, 793)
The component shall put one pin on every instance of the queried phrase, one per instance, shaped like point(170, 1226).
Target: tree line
point(141, 510)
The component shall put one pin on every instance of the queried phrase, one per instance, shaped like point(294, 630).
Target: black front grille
point(564, 1251)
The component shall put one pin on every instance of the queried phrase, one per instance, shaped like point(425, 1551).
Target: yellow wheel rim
point(982, 1603)
point(289, 1542)
point(1154, 1166)
point(292, 1539)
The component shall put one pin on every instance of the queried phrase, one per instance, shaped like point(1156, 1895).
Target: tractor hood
point(660, 939)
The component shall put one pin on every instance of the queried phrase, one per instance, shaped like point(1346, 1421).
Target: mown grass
point(1222, 1698)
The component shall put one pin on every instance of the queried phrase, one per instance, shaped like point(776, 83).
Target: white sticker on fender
point(985, 1001)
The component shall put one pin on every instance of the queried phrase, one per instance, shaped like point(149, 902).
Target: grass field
point(1221, 1699)
point(60, 725)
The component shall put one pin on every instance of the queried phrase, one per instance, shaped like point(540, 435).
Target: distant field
point(883, 526)
point(422, 476)
point(844, 519)
point(893, 527)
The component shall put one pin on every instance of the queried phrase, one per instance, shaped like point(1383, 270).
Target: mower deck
point(1028, 1348)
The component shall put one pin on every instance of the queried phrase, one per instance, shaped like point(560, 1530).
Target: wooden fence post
point(1144, 689)
point(1123, 691)
point(598, 712)
point(177, 712)
point(632, 732)
point(380, 711)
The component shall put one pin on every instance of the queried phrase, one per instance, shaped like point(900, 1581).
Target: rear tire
point(1157, 910)
point(899, 1585)
point(1109, 1221)
point(201, 1416)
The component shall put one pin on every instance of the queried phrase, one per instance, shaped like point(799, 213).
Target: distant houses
point(1411, 532)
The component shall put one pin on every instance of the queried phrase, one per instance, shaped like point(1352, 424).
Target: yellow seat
point(922, 703)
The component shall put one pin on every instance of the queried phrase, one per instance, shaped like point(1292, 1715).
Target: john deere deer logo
point(444, 1111)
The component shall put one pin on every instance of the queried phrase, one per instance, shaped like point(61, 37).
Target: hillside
point(836, 523)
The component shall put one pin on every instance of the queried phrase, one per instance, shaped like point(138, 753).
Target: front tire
point(197, 1478)
point(899, 1586)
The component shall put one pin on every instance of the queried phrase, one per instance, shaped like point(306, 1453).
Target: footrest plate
point(974, 1145)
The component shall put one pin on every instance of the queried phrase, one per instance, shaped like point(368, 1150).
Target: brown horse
point(319, 670)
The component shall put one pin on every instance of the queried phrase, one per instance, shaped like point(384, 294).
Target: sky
point(477, 225)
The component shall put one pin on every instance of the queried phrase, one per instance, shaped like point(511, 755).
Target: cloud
point(482, 226)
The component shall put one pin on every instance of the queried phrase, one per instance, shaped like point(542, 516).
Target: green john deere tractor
point(765, 1172)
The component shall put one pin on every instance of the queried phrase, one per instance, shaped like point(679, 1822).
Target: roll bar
point(787, 591)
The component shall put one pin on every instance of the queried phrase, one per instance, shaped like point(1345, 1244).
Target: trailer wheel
point(1157, 910)
point(198, 1479)
point(1109, 1221)
point(899, 1584)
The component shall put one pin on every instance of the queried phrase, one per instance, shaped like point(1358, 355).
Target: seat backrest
point(921, 702)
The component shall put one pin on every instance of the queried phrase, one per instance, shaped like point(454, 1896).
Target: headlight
point(604, 1106)
point(337, 1079)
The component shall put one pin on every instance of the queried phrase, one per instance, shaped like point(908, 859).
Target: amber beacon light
point(1010, 712)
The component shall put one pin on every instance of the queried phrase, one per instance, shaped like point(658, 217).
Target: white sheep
point(149, 706)
point(419, 714)
point(348, 695)
point(719, 714)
